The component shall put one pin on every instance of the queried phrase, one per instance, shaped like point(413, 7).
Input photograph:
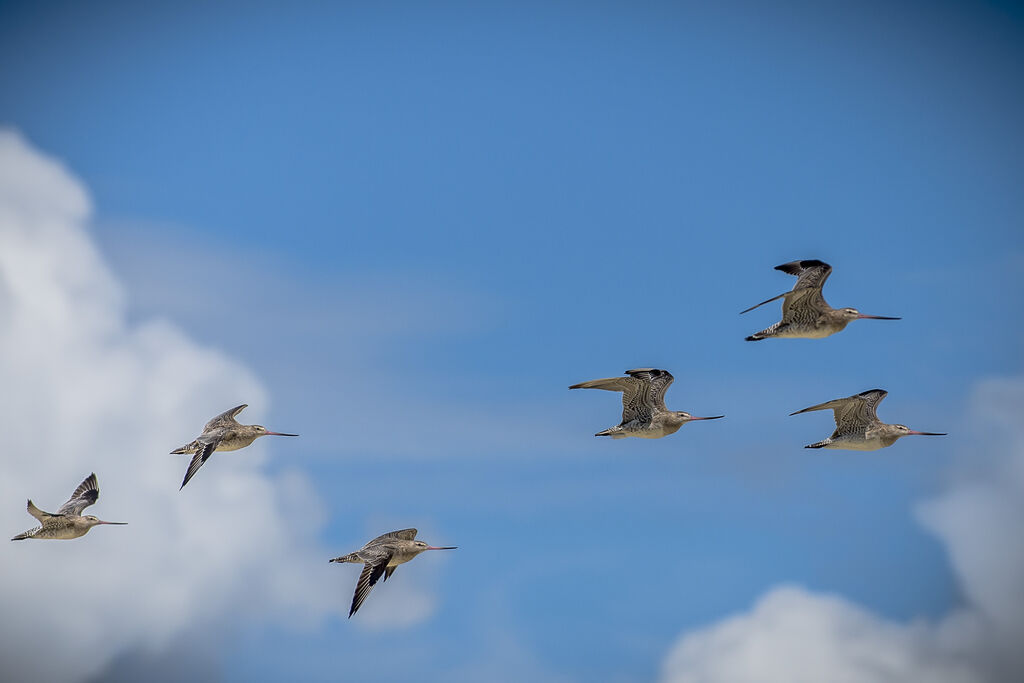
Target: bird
point(222, 433)
point(68, 522)
point(805, 314)
point(380, 557)
point(857, 425)
point(644, 414)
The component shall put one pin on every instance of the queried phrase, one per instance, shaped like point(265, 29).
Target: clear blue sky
point(420, 222)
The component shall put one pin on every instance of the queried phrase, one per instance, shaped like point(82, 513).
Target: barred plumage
point(380, 557)
point(805, 313)
point(857, 425)
point(644, 414)
point(222, 433)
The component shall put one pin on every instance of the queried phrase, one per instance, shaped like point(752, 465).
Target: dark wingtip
point(802, 263)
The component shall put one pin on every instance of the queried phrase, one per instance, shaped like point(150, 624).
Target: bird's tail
point(351, 557)
point(186, 449)
point(22, 537)
point(820, 444)
point(755, 337)
point(613, 432)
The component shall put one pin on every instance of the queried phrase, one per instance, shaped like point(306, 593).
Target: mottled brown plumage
point(222, 433)
point(380, 557)
point(805, 314)
point(857, 425)
point(644, 414)
point(68, 522)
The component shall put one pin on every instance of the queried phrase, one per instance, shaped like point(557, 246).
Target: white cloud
point(795, 635)
point(84, 390)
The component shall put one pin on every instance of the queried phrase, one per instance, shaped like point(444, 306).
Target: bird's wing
point(766, 301)
point(373, 569)
point(227, 418)
point(206, 448)
point(657, 382)
point(869, 404)
point(402, 534)
point(810, 273)
point(852, 414)
point(84, 496)
point(631, 389)
point(36, 512)
point(803, 306)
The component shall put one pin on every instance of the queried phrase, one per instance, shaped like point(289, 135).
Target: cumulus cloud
point(795, 635)
point(85, 390)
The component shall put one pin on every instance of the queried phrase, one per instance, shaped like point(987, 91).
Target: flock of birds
point(805, 314)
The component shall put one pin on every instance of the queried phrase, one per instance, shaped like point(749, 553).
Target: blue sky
point(418, 223)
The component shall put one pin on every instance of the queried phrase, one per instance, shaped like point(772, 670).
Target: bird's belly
point(859, 443)
point(60, 533)
point(647, 432)
point(806, 332)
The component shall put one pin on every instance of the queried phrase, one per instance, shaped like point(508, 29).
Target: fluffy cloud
point(794, 635)
point(84, 390)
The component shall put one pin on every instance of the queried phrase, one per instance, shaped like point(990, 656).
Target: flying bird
point(222, 433)
point(857, 425)
point(805, 314)
point(380, 557)
point(644, 414)
point(68, 521)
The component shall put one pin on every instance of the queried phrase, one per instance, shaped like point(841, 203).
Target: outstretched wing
point(658, 382)
point(643, 391)
point(36, 512)
point(853, 414)
point(803, 306)
point(402, 534)
point(868, 409)
point(84, 496)
point(206, 448)
point(225, 419)
point(810, 273)
point(372, 571)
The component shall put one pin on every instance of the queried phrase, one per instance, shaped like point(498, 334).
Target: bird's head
point(849, 314)
point(92, 521)
point(904, 430)
point(420, 546)
point(683, 417)
point(263, 431)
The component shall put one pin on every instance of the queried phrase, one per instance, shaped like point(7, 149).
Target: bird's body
point(68, 522)
point(857, 425)
point(222, 433)
point(805, 313)
point(644, 414)
point(380, 557)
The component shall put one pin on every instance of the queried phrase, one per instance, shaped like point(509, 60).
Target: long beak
point(449, 547)
point(911, 431)
point(876, 317)
point(716, 417)
point(115, 523)
point(279, 433)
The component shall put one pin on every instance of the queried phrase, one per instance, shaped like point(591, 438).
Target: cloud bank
point(83, 391)
point(794, 635)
